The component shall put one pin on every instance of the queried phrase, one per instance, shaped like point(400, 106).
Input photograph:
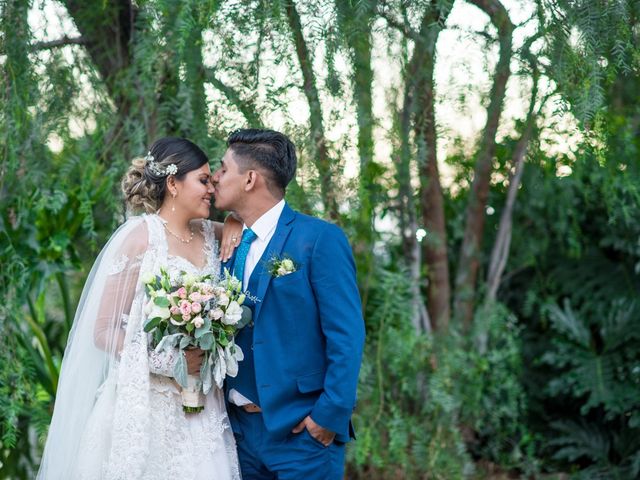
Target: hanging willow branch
point(60, 42)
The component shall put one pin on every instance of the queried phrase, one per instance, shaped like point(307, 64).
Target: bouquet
point(197, 312)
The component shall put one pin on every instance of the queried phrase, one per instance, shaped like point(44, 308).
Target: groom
point(290, 405)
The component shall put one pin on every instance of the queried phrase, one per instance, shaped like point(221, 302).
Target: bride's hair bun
point(145, 184)
point(140, 194)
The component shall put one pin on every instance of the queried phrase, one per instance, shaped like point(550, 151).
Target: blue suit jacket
point(308, 333)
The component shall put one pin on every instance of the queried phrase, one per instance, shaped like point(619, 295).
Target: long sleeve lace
point(162, 363)
point(115, 305)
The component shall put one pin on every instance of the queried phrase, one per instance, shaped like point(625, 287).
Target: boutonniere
point(279, 267)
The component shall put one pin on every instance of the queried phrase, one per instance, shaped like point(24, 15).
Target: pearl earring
point(173, 206)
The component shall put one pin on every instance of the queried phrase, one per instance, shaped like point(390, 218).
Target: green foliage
point(592, 46)
point(44, 235)
point(576, 298)
point(598, 359)
point(595, 362)
point(426, 403)
point(406, 419)
point(494, 403)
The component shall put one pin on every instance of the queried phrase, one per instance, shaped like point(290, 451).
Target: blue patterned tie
point(248, 236)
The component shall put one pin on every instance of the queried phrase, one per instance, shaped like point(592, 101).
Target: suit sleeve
point(333, 279)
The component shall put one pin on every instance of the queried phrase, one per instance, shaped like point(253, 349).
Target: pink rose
point(174, 310)
point(185, 307)
point(196, 307)
point(186, 317)
point(182, 292)
point(195, 297)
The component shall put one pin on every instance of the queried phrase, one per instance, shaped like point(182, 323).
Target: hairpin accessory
point(156, 169)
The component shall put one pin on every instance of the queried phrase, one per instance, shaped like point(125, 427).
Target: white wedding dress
point(135, 428)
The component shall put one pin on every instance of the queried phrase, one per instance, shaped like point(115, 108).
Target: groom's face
point(228, 183)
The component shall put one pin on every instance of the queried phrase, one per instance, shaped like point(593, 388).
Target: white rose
point(216, 313)
point(198, 321)
point(148, 306)
point(287, 263)
point(156, 311)
point(233, 314)
point(148, 277)
point(189, 280)
point(281, 271)
point(223, 300)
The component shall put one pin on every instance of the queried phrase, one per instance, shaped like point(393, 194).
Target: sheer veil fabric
point(112, 419)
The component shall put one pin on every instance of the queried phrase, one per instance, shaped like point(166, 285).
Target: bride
point(118, 413)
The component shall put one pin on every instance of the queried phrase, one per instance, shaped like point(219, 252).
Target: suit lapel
point(274, 249)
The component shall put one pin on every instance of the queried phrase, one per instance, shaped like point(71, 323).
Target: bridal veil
point(106, 358)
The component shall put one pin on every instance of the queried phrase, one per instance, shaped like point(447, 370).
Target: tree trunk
point(418, 105)
point(108, 29)
point(319, 150)
point(407, 208)
point(355, 21)
point(500, 251)
point(469, 258)
point(431, 197)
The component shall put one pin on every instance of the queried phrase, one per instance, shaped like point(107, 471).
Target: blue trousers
point(296, 457)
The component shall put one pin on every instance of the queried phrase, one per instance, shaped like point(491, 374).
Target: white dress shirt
point(264, 228)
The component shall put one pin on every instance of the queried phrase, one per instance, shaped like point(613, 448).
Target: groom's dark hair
point(268, 150)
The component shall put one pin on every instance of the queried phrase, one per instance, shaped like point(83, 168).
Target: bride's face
point(193, 193)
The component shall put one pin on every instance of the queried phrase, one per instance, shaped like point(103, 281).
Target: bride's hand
point(194, 360)
point(231, 234)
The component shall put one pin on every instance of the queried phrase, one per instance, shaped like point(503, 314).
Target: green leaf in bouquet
point(157, 336)
point(205, 372)
point(206, 341)
point(151, 324)
point(206, 327)
point(189, 326)
point(161, 301)
point(180, 370)
point(184, 342)
point(169, 341)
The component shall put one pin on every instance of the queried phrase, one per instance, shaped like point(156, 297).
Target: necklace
point(178, 236)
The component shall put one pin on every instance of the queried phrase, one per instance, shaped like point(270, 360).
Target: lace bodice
point(162, 363)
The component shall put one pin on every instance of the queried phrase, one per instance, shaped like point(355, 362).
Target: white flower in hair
point(156, 169)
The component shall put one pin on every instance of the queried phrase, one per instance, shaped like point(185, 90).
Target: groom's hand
point(322, 435)
point(194, 360)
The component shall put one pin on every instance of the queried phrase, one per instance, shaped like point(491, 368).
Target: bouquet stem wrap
point(192, 396)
